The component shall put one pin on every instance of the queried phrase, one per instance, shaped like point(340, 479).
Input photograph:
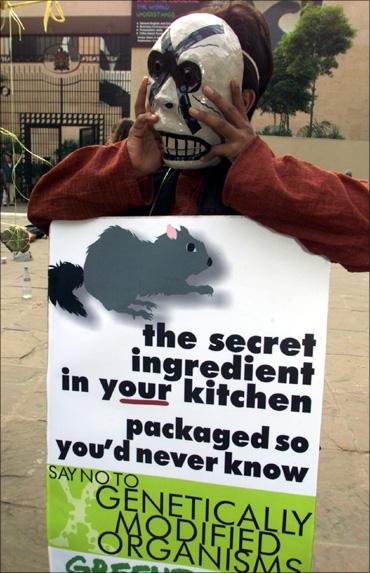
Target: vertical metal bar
point(61, 120)
point(27, 160)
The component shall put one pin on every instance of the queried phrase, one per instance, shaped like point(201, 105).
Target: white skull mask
point(196, 50)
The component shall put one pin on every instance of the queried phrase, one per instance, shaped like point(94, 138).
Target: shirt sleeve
point(93, 181)
point(327, 212)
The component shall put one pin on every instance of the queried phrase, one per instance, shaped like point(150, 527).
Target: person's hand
point(235, 127)
point(144, 144)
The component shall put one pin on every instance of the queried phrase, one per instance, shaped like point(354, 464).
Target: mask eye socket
point(190, 77)
point(191, 248)
point(156, 65)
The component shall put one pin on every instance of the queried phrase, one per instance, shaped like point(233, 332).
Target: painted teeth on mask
point(183, 149)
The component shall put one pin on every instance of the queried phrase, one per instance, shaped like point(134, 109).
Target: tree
point(66, 148)
point(311, 48)
point(287, 92)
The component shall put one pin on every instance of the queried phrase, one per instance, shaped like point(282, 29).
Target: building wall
point(342, 99)
point(331, 154)
point(78, 8)
point(81, 17)
point(38, 89)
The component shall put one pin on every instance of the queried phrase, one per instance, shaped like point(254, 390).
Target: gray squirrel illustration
point(120, 269)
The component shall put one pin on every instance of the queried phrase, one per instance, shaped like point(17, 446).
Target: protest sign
point(185, 381)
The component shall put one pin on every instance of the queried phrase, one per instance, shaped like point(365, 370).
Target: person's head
point(120, 130)
point(254, 36)
point(212, 47)
point(8, 156)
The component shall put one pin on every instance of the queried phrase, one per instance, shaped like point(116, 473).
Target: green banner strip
point(173, 521)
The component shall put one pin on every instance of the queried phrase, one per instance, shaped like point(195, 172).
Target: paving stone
point(344, 373)
point(33, 317)
point(347, 343)
point(38, 356)
point(18, 387)
point(342, 498)
point(17, 344)
point(337, 558)
point(23, 539)
point(23, 454)
point(345, 422)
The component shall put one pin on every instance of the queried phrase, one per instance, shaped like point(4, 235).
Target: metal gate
point(68, 92)
point(44, 132)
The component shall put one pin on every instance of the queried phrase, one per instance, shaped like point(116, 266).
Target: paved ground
point(342, 532)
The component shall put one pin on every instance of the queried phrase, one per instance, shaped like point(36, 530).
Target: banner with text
point(151, 18)
point(185, 382)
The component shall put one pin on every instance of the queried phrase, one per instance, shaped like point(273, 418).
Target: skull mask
point(196, 50)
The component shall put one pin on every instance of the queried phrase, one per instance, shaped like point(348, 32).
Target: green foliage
point(322, 129)
point(320, 35)
point(8, 145)
point(280, 130)
point(288, 92)
point(38, 169)
point(66, 148)
point(300, 57)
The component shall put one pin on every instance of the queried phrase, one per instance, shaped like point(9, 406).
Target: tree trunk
point(313, 94)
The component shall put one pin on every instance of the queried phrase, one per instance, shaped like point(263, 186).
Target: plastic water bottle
point(26, 287)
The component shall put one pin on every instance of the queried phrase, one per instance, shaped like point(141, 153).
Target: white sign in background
point(265, 285)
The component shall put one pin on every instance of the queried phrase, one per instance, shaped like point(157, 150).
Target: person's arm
point(327, 212)
point(93, 181)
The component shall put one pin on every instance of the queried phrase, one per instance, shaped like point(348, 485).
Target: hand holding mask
point(143, 143)
point(234, 127)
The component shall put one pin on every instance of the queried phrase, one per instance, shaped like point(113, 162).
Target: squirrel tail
point(64, 278)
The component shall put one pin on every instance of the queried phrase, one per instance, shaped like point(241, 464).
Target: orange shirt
point(327, 212)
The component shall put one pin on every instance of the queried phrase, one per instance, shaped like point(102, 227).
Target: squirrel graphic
point(120, 270)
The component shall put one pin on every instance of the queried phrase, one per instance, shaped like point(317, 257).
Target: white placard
point(191, 401)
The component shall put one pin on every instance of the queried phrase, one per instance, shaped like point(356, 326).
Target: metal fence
point(61, 93)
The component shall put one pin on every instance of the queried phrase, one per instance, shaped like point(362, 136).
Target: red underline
point(144, 402)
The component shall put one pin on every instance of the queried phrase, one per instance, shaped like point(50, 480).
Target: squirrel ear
point(184, 230)
point(171, 232)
